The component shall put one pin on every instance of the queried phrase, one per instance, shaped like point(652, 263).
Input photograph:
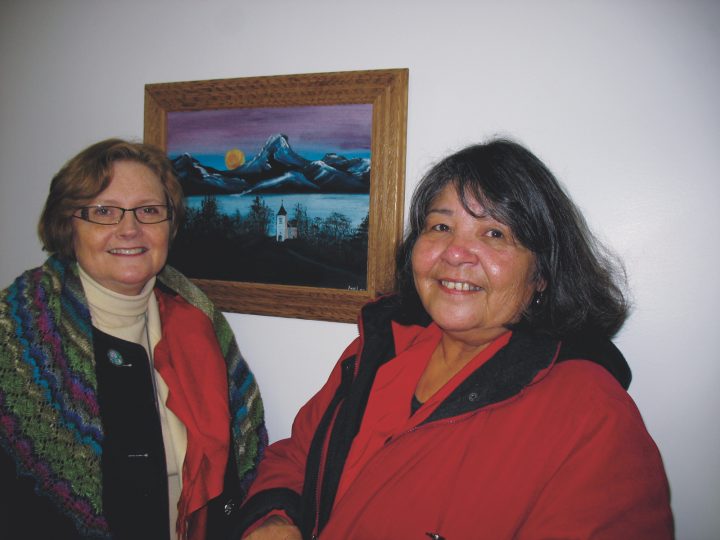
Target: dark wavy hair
point(87, 175)
point(586, 291)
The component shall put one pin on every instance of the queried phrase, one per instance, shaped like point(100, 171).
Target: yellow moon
point(234, 158)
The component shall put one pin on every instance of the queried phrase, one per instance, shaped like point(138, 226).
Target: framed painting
point(294, 187)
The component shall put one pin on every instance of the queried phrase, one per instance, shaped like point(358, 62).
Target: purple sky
point(312, 131)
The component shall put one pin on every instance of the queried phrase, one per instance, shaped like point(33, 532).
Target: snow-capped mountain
point(276, 168)
point(198, 179)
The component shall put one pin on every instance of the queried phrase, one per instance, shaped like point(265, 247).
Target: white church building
point(284, 229)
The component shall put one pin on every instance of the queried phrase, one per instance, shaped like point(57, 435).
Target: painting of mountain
point(265, 191)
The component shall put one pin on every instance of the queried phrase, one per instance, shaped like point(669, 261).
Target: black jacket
point(135, 498)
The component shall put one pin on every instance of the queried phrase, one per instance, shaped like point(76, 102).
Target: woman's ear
point(540, 281)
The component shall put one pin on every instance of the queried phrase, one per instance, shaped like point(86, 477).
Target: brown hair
point(87, 175)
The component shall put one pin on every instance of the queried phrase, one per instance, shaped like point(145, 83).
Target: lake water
point(353, 206)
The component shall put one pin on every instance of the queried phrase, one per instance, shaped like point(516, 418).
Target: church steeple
point(281, 225)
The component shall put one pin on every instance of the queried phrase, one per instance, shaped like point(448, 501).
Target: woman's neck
point(117, 314)
point(447, 360)
point(457, 349)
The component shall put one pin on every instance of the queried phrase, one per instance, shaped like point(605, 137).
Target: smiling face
point(472, 277)
point(124, 257)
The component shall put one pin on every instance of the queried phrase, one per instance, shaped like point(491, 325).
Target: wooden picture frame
point(387, 91)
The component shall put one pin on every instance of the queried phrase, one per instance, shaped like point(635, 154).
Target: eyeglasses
point(112, 215)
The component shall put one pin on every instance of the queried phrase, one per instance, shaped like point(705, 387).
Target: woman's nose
point(129, 223)
point(460, 251)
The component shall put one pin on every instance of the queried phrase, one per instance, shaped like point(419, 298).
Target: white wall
point(619, 97)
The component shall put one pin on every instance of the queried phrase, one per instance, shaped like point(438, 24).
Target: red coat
point(527, 442)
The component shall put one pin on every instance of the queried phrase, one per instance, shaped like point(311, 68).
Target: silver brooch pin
point(116, 359)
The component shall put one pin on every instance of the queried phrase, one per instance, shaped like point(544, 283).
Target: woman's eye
point(149, 210)
point(495, 233)
point(440, 227)
point(101, 211)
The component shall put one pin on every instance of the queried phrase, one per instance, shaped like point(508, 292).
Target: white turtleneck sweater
point(137, 319)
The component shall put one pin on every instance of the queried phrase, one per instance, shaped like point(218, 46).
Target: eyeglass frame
point(85, 210)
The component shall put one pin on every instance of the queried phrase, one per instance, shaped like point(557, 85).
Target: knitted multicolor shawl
point(49, 412)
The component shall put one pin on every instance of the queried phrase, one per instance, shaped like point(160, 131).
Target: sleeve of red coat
point(611, 483)
point(281, 473)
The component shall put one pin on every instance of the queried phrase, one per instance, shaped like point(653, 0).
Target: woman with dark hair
point(485, 400)
point(126, 408)
point(584, 284)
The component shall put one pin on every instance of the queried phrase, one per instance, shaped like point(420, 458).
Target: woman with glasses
point(126, 408)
